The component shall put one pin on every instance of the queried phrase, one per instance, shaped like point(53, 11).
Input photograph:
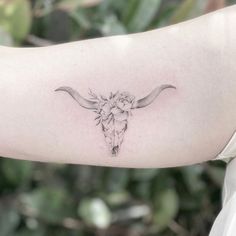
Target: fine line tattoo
point(113, 112)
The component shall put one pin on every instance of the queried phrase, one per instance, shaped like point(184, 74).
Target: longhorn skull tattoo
point(113, 112)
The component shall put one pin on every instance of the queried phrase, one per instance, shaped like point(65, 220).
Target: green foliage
point(15, 18)
point(75, 200)
point(5, 38)
point(139, 14)
point(95, 212)
point(16, 173)
point(166, 208)
point(48, 204)
point(182, 12)
point(68, 200)
point(9, 219)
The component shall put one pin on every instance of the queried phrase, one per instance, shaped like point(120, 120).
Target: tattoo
point(113, 112)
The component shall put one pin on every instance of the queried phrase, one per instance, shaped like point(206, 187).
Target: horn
point(151, 97)
point(82, 101)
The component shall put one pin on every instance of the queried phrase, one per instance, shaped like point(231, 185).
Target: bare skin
point(186, 125)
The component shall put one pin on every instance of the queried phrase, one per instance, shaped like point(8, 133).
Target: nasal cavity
point(115, 150)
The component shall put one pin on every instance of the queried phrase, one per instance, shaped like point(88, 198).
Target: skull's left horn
point(151, 97)
point(88, 104)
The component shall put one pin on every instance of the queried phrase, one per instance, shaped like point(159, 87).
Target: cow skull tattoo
point(114, 111)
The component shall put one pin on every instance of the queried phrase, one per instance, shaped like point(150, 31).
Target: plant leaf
point(15, 18)
point(95, 212)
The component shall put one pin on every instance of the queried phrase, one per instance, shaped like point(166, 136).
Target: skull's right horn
point(82, 101)
point(143, 102)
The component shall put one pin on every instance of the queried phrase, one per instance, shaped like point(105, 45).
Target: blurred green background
point(39, 199)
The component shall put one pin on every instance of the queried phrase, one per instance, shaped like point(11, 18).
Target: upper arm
point(186, 125)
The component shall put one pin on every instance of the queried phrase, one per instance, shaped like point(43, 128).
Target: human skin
point(182, 126)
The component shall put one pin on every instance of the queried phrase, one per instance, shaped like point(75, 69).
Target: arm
point(186, 125)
